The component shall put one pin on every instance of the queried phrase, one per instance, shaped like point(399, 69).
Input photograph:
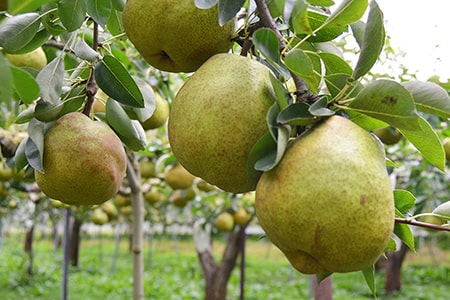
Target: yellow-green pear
point(180, 198)
point(177, 177)
point(217, 117)
point(99, 217)
point(446, 144)
point(175, 35)
point(328, 205)
point(159, 116)
point(6, 173)
point(241, 216)
point(153, 196)
point(84, 161)
point(225, 221)
point(148, 169)
point(388, 135)
point(35, 59)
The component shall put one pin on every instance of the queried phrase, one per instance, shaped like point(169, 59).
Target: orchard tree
point(267, 103)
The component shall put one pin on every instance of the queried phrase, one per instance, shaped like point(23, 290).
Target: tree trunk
point(28, 248)
point(217, 276)
point(322, 291)
point(75, 242)
point(393, 270)
point(137, 202)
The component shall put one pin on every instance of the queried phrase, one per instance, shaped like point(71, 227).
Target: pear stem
point(302, 91)
point(422, 224)
point(91, 87)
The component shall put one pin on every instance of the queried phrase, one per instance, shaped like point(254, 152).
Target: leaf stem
point(91, 87)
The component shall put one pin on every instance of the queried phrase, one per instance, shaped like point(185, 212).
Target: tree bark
point(75, 242)
point(217, 275)
point(137, 202)
point(28, 248)
point(393, 270)
point(324, 290)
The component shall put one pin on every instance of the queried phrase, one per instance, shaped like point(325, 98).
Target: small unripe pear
point(35, 59)
point(328, 205)
point(159, 116)
point(225, 221)
point(84, 161)
point(177, 177)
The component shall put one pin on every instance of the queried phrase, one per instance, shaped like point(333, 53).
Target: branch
point(422, 224)
point(264, 14)
point(91, 88)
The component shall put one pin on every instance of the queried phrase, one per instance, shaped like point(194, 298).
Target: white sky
point(422, 30)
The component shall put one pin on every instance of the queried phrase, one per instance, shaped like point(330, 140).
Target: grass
point(172, 272)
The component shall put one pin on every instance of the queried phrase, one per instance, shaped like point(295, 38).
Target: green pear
point(328, 205)
point(388, 135)
point(177, 177)
point(99, 217)
point(180, 198)
point(446, 144)
point(148, 169)
point(84, 161)
point(35, 59)
point(175, 35)
point(225, 221)
point(159, 116)
point(217, 117)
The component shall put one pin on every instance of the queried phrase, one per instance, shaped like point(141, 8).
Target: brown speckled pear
point(328, 205)
point(84, 161)
point(175, 35)
point(217, 117)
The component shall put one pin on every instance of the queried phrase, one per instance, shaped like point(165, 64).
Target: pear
point(446, 144)
point(388, 135)
point(148, 169)
point(241, 216)
point(328, 205)
point(99, 217)
point(35, 59)
point(217, 117)
point(225, 221)
point(159, 116)
point(84, 161)
point(175, 35)
point(177, 177)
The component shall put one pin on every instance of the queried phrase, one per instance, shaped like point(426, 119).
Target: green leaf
point(301, 65)
point(271, 119)
point(320, 108)
point(267, 42)
point(25, 85)
point(388, 101)
point(372, 43)
point(72, 13)
point(296, 114)
point(228, 10)
point(270, 161)
point(369, 276)
point(112, 77)
point(443, 209)
point(427, 142)
point(404, 200)
point(47, 112)
point(335, 64)
point(115, 24)
point(429, 97)
point(349, 11)
point(18, 31)
point(276, 7)
point(129, 131)
point(337, 82)
point(205, 4)
point(366, 122)
point(84, 51)
point(298, 20)
point(358, 28)
point(38, 40)
point(99, 10)
point(50, 80)
point(34, 150)
point(404, 233)
point(265, 146)
point(16, 7)
point(6, 78)
point(142, 114)
point(20, 158)
point(118, 4)
point(327, 33)
point(280, 92)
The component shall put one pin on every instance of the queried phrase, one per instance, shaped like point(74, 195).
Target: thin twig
point(91, 88)
point(422, 224)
